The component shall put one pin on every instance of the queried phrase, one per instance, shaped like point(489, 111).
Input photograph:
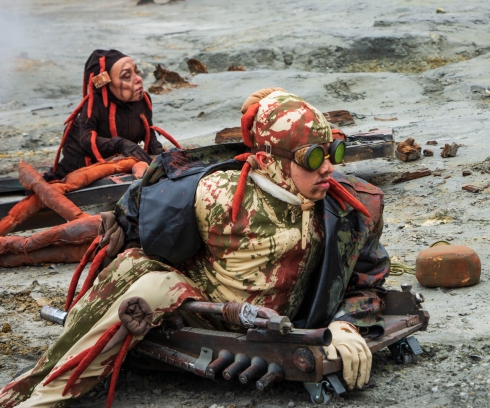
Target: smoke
point(13, 31)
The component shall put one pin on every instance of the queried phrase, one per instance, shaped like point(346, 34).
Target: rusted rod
point(258, 368)
point(240, 364)
point(274, 374)
point(225, 358)
point(169, 356)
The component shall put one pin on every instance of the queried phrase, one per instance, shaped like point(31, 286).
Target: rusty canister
point(447, 266)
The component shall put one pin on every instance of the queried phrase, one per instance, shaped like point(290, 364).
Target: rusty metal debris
point(340, 117)
point(408, 150)
point(411, 175)
point(473, 189)
point(196, 66)
point(449, 150)
point(233, 67)
point(448, 266)
point(228, 135)
point(467, 173)
point(428, 152)
point(166, 81)
point(432, 142)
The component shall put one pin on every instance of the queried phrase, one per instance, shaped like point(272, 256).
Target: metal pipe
point(274, 374)
point(240, 364)
point(225, 358)
point(202, 307)
point(258, 368)
point(169, 356)
point(313, 337)
point(53, 315)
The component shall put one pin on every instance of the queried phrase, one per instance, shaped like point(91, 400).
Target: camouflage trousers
point(131, 274)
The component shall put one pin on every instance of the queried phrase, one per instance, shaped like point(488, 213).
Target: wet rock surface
point(399, 60)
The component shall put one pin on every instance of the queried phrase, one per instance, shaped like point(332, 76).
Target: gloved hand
point(128, 148)
point(355, 354)
point(257, 96)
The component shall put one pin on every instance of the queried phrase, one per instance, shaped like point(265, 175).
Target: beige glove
point(355, 354)
point(257, 96)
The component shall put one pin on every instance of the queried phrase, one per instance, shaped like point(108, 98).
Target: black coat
point(78, 148)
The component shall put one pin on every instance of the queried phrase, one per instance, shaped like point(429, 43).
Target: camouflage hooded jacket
point(339, 275)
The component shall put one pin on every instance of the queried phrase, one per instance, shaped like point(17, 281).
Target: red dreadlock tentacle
point(240, 192)
point(78, 272)
point(60, 148)
point(105, 97)
point(242, 157)
point(77, 110)
point(117, 368)
point(147, 100)
point(95, 149)
point(147, 131)
point(247, 122)
point(338, 199)
point(90, 95)
point(343, 194)
point(94, 351)
point(84, 86)
point(69, 365)
point(92, 274)
point(167, 136)
point(112, 119)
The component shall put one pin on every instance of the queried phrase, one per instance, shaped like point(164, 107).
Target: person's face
point(313, 184)
point(126, 84)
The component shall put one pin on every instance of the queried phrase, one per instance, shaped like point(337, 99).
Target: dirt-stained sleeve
point(363, 300)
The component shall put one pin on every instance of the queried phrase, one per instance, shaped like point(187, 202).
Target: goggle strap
point(273, 150)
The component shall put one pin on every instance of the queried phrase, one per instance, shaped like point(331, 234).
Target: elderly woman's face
point(126, 84)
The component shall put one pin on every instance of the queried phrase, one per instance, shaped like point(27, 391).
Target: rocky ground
point(400, 59)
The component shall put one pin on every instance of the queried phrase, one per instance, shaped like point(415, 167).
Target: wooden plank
point(10, 185)
point(105, 195)
point(229, 135)
point(412, 175)
point(190, 340)
point(396, 332)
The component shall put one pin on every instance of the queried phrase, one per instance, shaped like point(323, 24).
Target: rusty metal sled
point(272, 351)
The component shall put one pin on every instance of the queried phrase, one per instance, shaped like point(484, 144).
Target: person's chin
point(317, 195)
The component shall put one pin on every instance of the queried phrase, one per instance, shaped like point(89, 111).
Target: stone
point(6, 328)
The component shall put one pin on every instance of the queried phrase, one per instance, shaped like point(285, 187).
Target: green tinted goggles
point(311, 157)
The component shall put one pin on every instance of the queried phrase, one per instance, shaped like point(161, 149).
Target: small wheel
point(324, 398)
point(406, 358)
point(415, 359)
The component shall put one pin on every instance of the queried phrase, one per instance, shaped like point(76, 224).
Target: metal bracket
point(414, 345)
point(406, 350)
point(322, 392)
point(204, 359)
point(335, 383)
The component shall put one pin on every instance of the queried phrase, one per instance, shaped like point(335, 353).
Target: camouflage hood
point(286, 121)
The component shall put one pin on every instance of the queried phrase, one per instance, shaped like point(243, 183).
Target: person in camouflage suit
point(272, 237)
